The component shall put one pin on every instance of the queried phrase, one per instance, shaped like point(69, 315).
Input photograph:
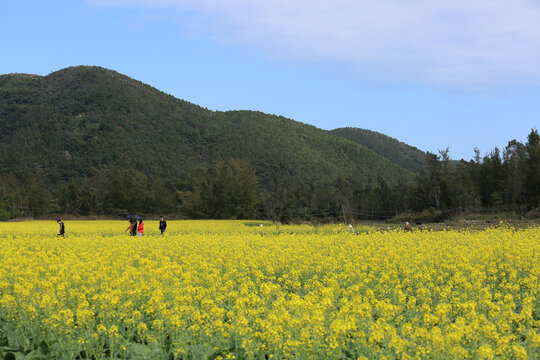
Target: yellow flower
point(519, 352)
point(101, 328)
point(278, 292)
point(485, 352)
point(113, 331)
point(142, 327)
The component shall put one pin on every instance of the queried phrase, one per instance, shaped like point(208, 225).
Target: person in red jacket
point(141, 228)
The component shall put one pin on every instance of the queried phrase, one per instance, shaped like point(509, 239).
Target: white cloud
point(460, 42)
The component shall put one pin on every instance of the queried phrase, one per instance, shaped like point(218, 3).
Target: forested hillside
point(87, 140)
point(80, 128)
point(404, 155)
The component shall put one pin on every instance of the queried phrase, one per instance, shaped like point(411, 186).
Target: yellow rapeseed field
point(237, 290)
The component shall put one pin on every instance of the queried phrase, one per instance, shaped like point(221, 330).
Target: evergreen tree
point(533, 169)
point(228, 190)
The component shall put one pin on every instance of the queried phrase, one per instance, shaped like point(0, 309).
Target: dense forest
point(404, 155)
point(496, 182)
point(90, 141)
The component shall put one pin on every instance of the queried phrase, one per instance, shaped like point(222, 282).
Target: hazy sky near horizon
point(434, 74)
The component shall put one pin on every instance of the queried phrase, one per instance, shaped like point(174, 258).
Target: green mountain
point(406, 156)
point(77, 121)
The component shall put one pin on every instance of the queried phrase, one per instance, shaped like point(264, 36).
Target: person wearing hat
point(407, 227)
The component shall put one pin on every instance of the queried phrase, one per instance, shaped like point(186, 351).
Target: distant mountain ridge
point(79, 120)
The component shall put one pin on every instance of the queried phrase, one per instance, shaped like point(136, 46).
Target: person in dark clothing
point(131, 228)
point(62, 230)
point(134, 227)
point(162, 225)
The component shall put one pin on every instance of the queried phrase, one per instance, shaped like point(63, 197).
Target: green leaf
point(44, 347)
point(14, 355)
point(15, 340)
point(139, 351)
point(36, 355)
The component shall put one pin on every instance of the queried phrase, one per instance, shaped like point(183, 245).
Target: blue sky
point(429, 73)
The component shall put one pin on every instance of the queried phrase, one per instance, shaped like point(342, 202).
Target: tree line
point(231, 189)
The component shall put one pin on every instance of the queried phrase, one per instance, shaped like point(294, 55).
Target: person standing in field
point(141, 228)
point(132, 227)
point(162, 225)
point(407, 227)
point(62, 230)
